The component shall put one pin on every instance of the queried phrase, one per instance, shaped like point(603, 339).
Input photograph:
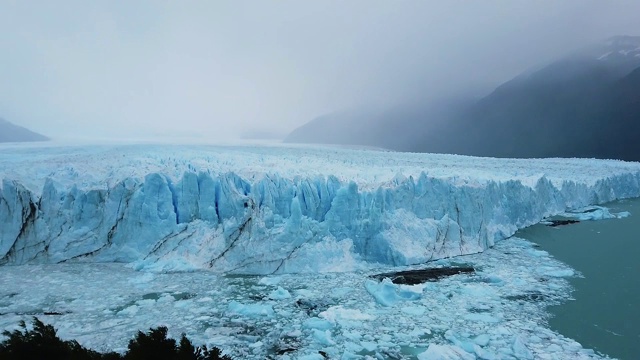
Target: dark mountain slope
point(399, 127)
point(583, 105)
point(618, 132)
point(13, 133)
point(579, 106)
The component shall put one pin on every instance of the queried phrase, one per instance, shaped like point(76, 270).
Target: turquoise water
point(605, 314)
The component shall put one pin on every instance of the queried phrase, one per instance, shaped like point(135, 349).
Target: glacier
point(77, 218)
point(277, 209)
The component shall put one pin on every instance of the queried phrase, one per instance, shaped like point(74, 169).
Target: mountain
point(14, 133)
point(585, 104)
point(397, 127)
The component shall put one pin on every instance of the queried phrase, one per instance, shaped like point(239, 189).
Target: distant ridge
point(13, 133)
point(586, 104)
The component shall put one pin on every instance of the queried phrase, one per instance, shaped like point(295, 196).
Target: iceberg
point(275, 210)
point(387, 293)
point(251, 310)
point(593, 213)
point(445, 352)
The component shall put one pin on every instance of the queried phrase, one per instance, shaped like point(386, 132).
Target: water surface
point(604, 315)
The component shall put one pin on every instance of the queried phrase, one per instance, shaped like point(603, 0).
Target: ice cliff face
point(273, 223)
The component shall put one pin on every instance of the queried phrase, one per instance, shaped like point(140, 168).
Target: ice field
point(496, 313)
point(268, 252)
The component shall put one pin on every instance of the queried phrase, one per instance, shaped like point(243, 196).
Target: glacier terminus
point(271, 252)
point(275, 209)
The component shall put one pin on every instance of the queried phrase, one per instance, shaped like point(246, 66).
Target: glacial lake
point(604, 314)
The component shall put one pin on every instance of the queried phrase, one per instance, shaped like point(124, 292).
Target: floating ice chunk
point(554, 348)
point(387, 293)
point(279, 294)
point(539, 253)
point(317, 323)
point(166, 298)
point(369, 345)
point(306, 293)
point(343, 316)
point(416, 332)
point(594, 213)
point(350, 356)
point(502, 330)
point(445, 352)
point(270, 280)
point(142, 279)
point(341, 292)
point(172, 264)
point(146, 302)
point(250, 310)
point(479, 291)
point(482, 339)
point(561, 273)
point(462, 343)
point(352, 335)
point(311, 357)
point(520, 350)
point(556, 272)
point(623, 214)
point(353, 347)
point(481, 317)
point(493, 279)
point(484, 354)
point(184, 304)
point(414, 310)
point(130, 311)
point(322, 337)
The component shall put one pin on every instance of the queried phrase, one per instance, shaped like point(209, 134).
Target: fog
point(221, 69)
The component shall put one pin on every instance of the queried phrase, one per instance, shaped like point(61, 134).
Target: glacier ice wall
point(275, 224)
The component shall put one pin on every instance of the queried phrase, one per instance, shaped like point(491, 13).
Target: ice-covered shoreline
point(279, 209)
point(498, 312)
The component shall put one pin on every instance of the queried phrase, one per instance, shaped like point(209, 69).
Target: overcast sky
point(216, 69)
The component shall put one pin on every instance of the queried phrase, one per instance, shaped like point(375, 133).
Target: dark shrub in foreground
point(42, 342)
point(155, 345)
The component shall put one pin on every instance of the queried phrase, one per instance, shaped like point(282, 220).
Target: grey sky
point(218, 68)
